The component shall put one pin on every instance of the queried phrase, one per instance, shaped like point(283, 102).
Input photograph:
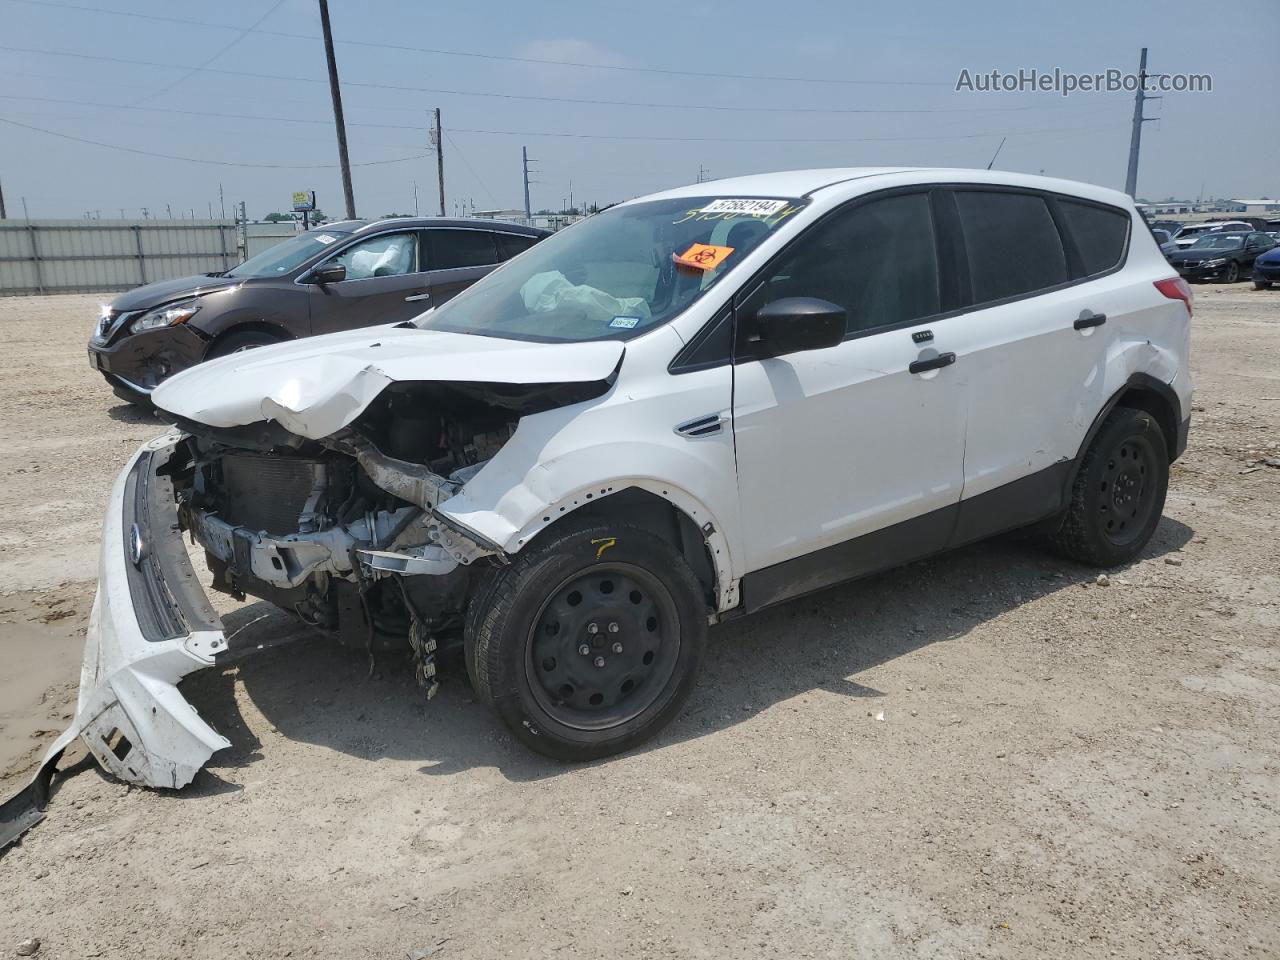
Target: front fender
point(511, 511)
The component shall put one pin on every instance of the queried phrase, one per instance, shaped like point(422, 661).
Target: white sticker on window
point(325, 238)
point(625, 323)
point(745, 207)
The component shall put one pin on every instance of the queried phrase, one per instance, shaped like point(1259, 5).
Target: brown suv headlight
point(165, 316)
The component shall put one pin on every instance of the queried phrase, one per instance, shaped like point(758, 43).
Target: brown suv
point(355, 273)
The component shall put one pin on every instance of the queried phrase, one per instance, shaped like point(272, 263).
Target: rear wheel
point(238, 342)
point(589, 642)
point(1119, 492)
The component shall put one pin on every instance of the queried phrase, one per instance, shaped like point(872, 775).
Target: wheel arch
point(1142, 392)
point(663, 509)
point(248, 326)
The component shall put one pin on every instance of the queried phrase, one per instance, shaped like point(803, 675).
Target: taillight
point(1175, 288)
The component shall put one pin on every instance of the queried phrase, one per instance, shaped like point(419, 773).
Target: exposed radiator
point(275, 494)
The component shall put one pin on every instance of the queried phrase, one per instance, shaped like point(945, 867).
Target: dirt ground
point(985, 755)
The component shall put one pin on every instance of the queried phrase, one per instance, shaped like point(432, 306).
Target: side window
point(1100, 234)
point(1012, 242)
point(509, 244)
point(389, 255)
point(878, 261)
point(461, 248)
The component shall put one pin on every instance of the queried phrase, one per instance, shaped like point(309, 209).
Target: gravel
point(1064, 770)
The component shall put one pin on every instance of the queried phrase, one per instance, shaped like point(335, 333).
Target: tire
point(1232, 272)
point(1262, 284)
point(239, 341)
point(528, 625)
point(1118, 494)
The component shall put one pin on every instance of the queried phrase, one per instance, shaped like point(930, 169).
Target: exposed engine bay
point(341, 530)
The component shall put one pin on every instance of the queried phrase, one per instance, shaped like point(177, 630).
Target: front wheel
point(1233, 272)
point(1262, 284)
point(590, 642)
point(1118, 495)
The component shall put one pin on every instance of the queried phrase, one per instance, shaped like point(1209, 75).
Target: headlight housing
point(1214, 263)
point(166, 316)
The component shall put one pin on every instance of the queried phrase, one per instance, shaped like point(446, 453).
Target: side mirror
point(329, 273)
point(791, 325)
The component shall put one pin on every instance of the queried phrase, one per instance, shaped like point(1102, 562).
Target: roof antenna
point(997, 153)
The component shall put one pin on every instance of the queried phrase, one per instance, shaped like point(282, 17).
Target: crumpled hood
point(154, 294)
point(316, 386)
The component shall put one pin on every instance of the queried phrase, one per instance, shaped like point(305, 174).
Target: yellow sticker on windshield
point(702, 256)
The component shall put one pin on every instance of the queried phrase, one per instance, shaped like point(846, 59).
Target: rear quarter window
point(1013, 244)
point(452, 248)
point(509, 244)
point(1100, 234)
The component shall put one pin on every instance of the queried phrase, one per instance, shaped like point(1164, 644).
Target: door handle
point(932, 363)
point(1090, 320)
point(416, 297)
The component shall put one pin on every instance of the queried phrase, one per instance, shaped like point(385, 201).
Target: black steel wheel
point(603, 646)
point(1119, 491)
point(1126, 492)
point(590, 641)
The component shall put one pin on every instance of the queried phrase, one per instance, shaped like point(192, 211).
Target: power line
point(546, 61)
point(221, 50)
point(467, 163)
point(836, 140)
point(207, 113)
point(561, 135)
point(220, 163)
point(888, 111)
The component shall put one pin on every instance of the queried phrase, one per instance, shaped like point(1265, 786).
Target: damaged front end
point(343, 531)
point(340, 530)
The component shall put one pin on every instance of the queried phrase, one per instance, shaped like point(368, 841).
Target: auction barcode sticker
point(746, 207)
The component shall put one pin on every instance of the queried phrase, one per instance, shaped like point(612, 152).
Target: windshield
point(617, 273)
point(287, 255)
point(1218, 241)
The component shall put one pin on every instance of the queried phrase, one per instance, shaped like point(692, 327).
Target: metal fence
point(84, 256)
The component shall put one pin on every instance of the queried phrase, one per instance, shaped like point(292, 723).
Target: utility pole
point(222, 203)
point(703, 174)
point(1135, 138)
point(524, 153)
point(437, 137)
point(2, 213)
point(415, 198)
point(339, 123)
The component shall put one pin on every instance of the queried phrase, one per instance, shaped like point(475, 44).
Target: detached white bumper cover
point(151, 625)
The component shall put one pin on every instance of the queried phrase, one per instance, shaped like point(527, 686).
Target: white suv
point(683, 409)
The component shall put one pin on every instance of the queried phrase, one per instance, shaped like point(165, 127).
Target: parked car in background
point(1266, 269)
point(1170, 226)
point(1165, 239)
point(353, 273)
point(1194, 231)
point(1221, 256)
point(689, 407)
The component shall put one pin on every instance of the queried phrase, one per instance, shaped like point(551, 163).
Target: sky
point(235, 96)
